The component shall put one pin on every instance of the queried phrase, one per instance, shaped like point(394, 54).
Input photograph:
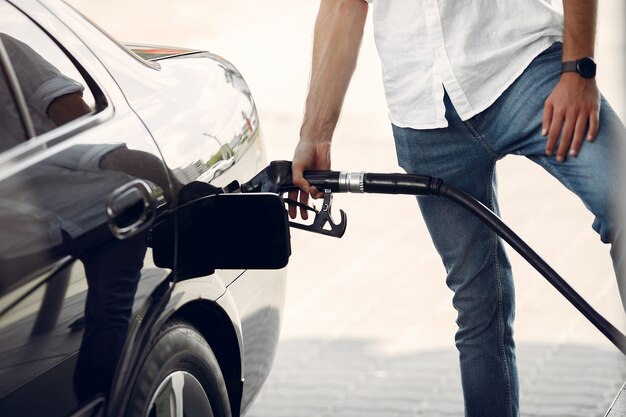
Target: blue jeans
point(113, 270)
point(464, 155)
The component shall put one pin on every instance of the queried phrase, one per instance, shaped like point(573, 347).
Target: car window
point(53, 89)
point(13, 129)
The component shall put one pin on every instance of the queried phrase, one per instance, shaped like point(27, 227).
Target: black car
point(129, 284)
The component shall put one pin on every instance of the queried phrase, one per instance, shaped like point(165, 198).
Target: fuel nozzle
point(276, 178)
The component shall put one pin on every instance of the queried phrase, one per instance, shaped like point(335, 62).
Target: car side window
point(50, 86)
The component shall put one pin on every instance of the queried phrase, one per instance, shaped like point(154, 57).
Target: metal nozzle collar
point(351, 182)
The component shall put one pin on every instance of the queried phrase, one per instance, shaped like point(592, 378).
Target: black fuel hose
point(361, 182)
point(277, 178)
point(490, 219)
point(425, 186)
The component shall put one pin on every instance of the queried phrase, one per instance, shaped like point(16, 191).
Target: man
point(52, 98)
point(468, 82)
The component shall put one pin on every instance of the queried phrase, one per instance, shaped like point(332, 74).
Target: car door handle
point(130, 209)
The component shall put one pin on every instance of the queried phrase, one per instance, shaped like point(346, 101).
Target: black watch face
point(587, 68)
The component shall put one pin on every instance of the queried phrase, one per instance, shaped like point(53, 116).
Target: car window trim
point(16, 92)
point(12, 159)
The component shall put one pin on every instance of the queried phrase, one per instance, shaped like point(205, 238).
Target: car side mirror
point(224, 231)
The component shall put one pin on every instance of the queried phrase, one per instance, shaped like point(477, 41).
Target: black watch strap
point(585, 67)
point(569, 66)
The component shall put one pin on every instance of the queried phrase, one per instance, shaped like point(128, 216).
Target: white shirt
point(474, 49)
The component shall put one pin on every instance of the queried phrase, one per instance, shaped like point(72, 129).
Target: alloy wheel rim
point(180, 394)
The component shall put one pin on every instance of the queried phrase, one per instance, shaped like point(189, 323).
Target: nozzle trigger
point(323, 222)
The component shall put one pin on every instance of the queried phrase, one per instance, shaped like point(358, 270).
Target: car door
point(81, 182)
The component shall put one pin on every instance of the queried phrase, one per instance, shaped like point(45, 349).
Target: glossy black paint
point(80, 292)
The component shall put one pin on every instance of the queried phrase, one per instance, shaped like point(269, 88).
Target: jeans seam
point(480, 139)
point(501, 347)
point(549, 167)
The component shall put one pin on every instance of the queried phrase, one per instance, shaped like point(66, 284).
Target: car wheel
point(179, 377)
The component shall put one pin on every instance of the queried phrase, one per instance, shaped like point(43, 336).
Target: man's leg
point(512, 125)
point(478, 270)
point(113, 270)
point(594, 177)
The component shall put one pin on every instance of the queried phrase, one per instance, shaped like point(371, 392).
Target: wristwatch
point(586, 67)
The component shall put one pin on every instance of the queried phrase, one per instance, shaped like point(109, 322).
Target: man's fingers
point(556, 124)
point(316, 193)
point(304, 199)
point(297, 177)
point(579, 135)
point(566, 139)
point(293, 210)
point(594, 124)
point(547, 117)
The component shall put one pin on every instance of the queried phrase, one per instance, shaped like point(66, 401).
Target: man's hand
point(308, 156)
point(336, 42)
point(572, 113)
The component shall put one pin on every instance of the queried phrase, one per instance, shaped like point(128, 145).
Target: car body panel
point(155, 110)
point(260, 323)
point(220, 125)
point(44, 285)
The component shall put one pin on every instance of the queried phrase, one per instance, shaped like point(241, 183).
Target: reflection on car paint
point(224, 124)
point(53, 213)
point(68, 286)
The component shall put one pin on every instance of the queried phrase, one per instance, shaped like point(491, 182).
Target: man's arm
point(336, 43)
point(67, 107)
point(573, 108)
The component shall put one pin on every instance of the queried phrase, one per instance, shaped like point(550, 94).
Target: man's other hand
point(570, 114)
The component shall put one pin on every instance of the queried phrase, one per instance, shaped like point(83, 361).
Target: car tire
point(180, 376)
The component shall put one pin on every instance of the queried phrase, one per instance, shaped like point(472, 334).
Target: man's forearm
point(337, 39)
point(579, 33)
point(66, 108)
